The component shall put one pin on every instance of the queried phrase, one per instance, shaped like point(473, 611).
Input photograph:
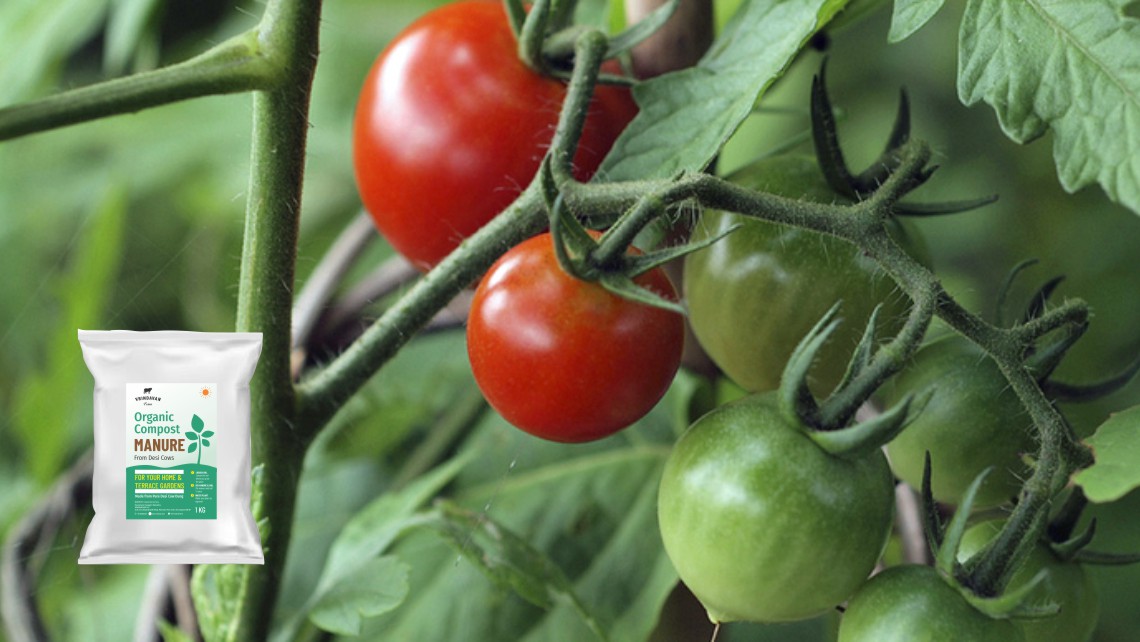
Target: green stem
point(289, 36)
point(234, 66)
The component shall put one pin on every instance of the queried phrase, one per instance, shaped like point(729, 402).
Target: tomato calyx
point(856, 187)
point(842, 438)
point(945, 541)
point(599, 257)
point(547, 37)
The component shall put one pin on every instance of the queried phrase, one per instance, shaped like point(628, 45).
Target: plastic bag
point(172, 448)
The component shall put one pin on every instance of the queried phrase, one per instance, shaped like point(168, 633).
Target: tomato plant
point(753, 295)
point(1065, 584)
point(451, 125)
point(761, 523)
point(566, 359)
point(972, 421)
point(912, 603)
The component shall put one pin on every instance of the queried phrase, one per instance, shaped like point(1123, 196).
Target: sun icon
point(206, 392)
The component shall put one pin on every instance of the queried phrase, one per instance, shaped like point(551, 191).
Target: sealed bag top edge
point(133, 336)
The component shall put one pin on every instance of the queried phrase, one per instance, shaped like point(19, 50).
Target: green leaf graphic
point(191, 435)
point(197, 424)
point(208, 433)
point(1072, 66)
point(192, 448)
point(205, 442)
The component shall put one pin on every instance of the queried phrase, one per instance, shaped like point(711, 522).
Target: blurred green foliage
point(135, 222)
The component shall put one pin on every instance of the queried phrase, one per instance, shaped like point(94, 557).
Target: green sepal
point(1014, 604)
point(946, 557)
point(1045, 359)
point(1060, 391)
point(1069, 548)
point(611, 247)
point(1006, 287)
point(862, 355)
point(1097, 558)
point(867, 436)
point(932, 521)
point(825, 138)
point(794, 398)
point(1037, 302)
point(622, 285)
point(516, 15)
point(637, 265)
point(569, 238)
point(877, 172)
point(943, 207)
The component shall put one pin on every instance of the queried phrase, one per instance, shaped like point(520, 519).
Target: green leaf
point(687, 116)
point(1116, 446)
point(909, 16)
point(192, 447)
point(589, 508)
point(48, 398)
point(197, 424)
point(507, 559)
point(208, 433)
point(370, 532)
point(375, 586)
point(205, 442)
point(191, 435)
point(1072, 66)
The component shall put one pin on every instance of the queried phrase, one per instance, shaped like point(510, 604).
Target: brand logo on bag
point(146, 396)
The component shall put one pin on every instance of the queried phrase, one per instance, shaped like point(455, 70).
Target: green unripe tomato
point(764, 525)
point(1066, 584)
point(912, 603)
point(973, 421)
point(753, 295)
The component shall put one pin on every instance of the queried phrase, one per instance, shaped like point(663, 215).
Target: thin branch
point(234, 66)
point(26, 548)
point(328, 274)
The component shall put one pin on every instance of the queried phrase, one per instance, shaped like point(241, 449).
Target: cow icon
point(147, 390)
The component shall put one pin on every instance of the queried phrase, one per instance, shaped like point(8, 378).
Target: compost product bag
point(172, 460)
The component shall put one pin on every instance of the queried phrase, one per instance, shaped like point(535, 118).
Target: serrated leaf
point(217, 591)
point(192, 447)
point(1072, 66)
point(376, 586)
point(1116, 445)
point(197, 424)
point(687, 116)
point(909, 16)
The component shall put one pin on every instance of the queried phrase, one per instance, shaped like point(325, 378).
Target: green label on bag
point(172, 443)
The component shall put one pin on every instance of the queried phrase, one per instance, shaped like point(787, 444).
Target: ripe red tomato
point(565, 359)
point(451, 126)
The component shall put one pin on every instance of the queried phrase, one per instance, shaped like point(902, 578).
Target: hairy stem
point(234, 66)
point(289, 35)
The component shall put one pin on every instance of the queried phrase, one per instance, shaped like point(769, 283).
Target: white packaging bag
point(172, 448)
